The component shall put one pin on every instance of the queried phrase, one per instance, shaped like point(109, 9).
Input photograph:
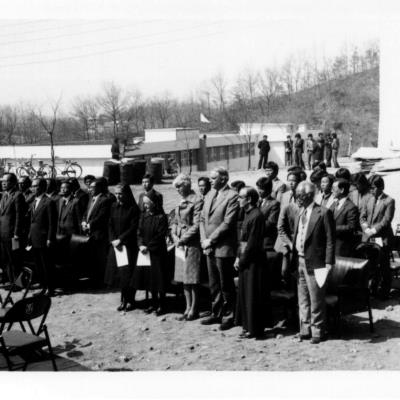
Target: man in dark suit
point(68, 218)
point(314, 248)
point(376, 222)
point(346, 217)
point(12, 213)
point(82, 197)
point(42, 234)
point(264, 147)
point(95, 224)
point(148, 186)
point(219, 242)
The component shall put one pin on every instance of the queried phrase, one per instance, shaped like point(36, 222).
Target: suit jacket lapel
point(314, 217)
point(39, 206)
point(7, 202)
point(341, 209)
point(378, 207)
point(219, 199)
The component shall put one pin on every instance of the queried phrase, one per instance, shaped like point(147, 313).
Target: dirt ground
point(86, 328)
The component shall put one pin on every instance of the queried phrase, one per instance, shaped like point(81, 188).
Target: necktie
point(373, 211)
point(91, 207)
point(303, 229)
point(214, 199)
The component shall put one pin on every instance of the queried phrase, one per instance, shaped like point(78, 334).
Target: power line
point(47, 29)
point(111, 51)
point(106, 42)
point(66, 35)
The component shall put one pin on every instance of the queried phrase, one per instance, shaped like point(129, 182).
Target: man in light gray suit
point(219, 242)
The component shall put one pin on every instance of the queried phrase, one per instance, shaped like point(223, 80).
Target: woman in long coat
point(185, 233)
point(124, 218)
point(253, 294)
point(152, 232)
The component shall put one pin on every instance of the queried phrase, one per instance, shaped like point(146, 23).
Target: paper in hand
point(121, 256)
point(143, 260)
point(320, 276)
point(28, 248)
point(180, 253)
point(378, 241)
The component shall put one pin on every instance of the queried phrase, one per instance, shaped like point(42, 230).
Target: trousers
point(312, 307)
point(222, 286)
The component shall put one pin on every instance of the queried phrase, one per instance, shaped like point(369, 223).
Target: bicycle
point(71, 169)
point(27, 169)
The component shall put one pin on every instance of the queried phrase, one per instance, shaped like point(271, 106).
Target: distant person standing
point(310, 148)
point(320, 148)
point(335, 150)
point(115, 149)
point(264, 147)
point(288, 151)
point(298, 150)
point(328, 150)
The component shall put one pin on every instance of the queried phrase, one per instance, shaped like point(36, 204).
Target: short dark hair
point(272, 165)
point(302, 175)
point(91, 177)
point(334, 135)
point(343, 184)
point(265, 184)
point(13, 177)
point(310, 135)
point(295, 168)
point(206, 180)
point(74, 184)
point(297, 135)
point(238, 185)
point(42, 184)
point(377, 181)
point(149, 177)
point(360, 181)
point(317, 175)
point(294, 173)
point(343, 173)
point(253, 194)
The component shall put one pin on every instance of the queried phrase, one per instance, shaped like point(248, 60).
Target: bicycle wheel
point(21, 171)
point(73, 170)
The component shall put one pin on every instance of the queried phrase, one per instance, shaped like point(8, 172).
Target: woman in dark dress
point(253, 293)
point(124, 219)
point(152, 232)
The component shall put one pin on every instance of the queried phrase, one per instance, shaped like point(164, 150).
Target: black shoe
point(226, 325)
point(302, 337)
point(121, 307)
point(317, 340)
point(129, 307)
point(160, 311)
point(192, 317)
point(211, 320)
point(149, 310)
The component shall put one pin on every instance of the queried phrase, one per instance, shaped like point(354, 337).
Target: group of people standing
point(247, 236)
point(325, 148)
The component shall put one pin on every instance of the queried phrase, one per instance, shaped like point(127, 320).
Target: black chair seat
point(19, 339)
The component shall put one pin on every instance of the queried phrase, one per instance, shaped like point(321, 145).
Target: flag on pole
point(204, 119)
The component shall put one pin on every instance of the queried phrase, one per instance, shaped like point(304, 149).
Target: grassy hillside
point(351, 103)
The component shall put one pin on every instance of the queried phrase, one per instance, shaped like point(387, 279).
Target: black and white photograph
point(200, 191)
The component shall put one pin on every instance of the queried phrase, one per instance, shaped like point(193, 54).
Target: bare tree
point(49, 124)
point(82, 111)
point(136, 111)
point(269, 89)
point(162, 108)
point(9, 119)
point(113, 102)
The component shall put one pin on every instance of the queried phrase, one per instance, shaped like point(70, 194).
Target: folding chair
point(22, 343)
point(23, 282)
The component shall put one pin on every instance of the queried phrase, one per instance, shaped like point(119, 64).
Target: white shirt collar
point(341, 202)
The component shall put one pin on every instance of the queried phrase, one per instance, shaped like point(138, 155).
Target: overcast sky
point(157, 46)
